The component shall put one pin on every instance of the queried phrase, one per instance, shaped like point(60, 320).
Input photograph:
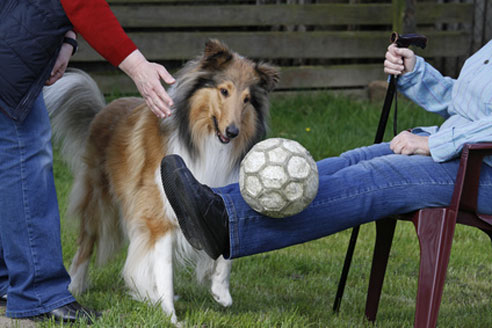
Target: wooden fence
point(321, 45)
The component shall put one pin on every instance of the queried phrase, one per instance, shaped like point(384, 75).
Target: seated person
point(415, 170)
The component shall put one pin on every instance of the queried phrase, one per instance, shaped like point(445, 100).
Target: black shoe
point(201, 212)
point(71, 312)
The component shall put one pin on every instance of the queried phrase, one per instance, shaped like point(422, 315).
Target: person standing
point(37, 39)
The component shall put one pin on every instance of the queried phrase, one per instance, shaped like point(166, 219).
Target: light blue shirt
point(466, 103)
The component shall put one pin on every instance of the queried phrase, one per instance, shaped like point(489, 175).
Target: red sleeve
point(95, 21)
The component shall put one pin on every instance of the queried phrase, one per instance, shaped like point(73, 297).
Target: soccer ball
point(278, 177)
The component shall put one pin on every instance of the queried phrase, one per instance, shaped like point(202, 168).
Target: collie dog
point(220, 110)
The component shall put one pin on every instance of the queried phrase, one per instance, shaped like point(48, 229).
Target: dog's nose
point(232, 131)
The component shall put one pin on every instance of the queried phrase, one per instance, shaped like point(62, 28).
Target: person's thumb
point(404, 52)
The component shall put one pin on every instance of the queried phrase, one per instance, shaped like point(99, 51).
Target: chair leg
point(488, 232)
point(385, 230)
point(435, 230)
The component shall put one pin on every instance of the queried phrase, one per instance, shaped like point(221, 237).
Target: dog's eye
point(224, 92)
point(246, 100)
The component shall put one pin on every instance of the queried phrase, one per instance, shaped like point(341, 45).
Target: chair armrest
point(465, 192)
point(482, 146)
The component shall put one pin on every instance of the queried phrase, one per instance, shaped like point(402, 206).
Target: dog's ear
point(269, 76)
point(215, 55)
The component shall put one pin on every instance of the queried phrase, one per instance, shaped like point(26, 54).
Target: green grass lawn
point(295, 287)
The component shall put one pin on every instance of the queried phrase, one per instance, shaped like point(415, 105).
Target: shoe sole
point(179, 199)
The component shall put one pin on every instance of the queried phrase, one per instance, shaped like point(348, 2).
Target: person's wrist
point(72, 42)
point(411, 64)
point(71, 34)
point(130, 64)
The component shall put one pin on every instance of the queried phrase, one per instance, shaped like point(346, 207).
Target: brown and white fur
point(221, 109)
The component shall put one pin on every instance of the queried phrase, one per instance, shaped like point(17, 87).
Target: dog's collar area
point(223, 139)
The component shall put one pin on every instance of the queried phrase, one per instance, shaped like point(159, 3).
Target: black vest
point(31, 34)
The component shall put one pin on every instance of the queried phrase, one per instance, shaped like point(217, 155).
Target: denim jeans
point(32, 273)
point(359, 186)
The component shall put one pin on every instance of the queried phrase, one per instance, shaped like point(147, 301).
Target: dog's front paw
point(221, 295)
point(174, 321)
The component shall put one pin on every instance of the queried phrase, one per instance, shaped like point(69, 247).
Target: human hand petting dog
point(399, 60)
point(147, 77)
point(407, 143)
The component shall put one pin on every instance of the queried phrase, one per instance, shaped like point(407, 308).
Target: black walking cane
point(401, 41)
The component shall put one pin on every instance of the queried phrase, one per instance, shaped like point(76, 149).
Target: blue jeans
point(359, 186)
point(32, 273)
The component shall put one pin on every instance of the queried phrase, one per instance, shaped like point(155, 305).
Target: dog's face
point(230, 109)
point(228, 96)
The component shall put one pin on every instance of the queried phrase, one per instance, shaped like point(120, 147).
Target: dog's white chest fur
point(216, 165)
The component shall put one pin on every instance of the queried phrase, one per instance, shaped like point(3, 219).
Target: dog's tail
point(72, 103)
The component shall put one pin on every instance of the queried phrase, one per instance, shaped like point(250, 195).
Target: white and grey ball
point(278, 177)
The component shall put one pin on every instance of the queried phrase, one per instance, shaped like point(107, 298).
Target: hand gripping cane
point(401, 41)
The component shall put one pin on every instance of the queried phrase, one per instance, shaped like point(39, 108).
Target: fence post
point(409, 18)
point(398, 14)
